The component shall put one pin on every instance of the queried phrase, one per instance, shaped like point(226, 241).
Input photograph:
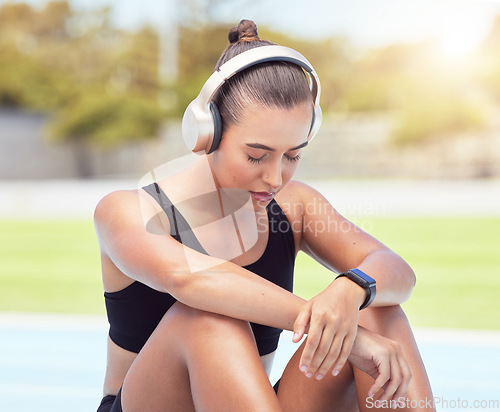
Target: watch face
point(362, 276)
point(366, 282)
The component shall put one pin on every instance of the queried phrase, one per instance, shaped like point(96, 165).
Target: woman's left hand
point(332, 322)
point(383, 359)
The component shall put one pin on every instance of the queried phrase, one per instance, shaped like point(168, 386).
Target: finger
point(312, 342)
point(331, 356)
point(382, 378)
point(328, 343)
point(405, 383)
point(301, 322)
point(343, 355)
point(394, 381)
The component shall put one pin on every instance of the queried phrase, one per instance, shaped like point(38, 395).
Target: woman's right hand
point(384, 361)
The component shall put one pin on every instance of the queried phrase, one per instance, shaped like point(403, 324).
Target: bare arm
point(340, 245)
point(154, 258)
point(332, 316)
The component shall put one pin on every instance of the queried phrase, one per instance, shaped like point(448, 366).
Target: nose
point(273, 175)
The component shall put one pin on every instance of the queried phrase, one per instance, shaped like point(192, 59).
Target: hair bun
point(245, 31)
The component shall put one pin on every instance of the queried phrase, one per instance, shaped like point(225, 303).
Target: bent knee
point(199, 336)
point(210, 323)
point(186, 320)
point(384, 319)
point(384, 313)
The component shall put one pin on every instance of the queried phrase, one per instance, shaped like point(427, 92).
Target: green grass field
point(53, 266)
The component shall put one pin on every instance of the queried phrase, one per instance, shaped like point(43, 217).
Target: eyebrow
point(264, 147)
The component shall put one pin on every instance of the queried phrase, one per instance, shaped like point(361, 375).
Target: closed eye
point(292, 158)
point(287, 157)
point(255, 160)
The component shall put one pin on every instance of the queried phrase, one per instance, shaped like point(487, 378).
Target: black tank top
point(134, 312)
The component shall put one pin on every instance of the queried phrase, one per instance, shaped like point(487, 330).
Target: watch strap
point(366, 282)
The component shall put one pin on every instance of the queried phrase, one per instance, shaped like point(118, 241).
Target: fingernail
point(335, 372)
point(309, 375)
point(319, 377)
point(295, 335)
point(371, 395)
point(303, 368)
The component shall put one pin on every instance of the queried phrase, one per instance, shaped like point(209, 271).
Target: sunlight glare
point(458, 36)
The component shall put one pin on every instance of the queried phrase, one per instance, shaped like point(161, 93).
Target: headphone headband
point(201, 121)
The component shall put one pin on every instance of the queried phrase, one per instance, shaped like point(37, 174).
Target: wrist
point(365, 282)
point(354, 292)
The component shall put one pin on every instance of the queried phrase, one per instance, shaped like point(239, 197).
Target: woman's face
point(261, 153)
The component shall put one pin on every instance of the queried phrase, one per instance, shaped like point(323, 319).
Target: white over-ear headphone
point(202, 125)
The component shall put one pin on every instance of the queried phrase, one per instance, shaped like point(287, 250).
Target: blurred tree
point(429, 96)
point(380, 79)
point(103, 85)
point(434, 113)
point(200, 47)
point(331, 58)
point(100, 83)
point(207, 12)
point(23, 82)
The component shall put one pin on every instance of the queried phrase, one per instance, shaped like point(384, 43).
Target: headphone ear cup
point(312, 121)
point(317, 117)
point(217, 122)
point(198, 127)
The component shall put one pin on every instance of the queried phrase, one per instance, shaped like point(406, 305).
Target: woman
point(185, 269)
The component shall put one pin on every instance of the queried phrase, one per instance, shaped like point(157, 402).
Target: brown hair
point(274, 84)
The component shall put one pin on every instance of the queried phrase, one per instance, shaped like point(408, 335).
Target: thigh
point(226, 372)
point(199, 361)
point(158, 379)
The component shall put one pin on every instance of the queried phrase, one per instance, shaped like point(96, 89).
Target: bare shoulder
point(114, 200)
point(114, 205)
point(128, 211)
point(293, 200)
point(126, 202)
point(297, 196)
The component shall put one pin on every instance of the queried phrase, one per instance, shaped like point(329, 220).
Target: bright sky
point(459, 24)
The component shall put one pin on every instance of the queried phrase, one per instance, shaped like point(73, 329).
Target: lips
point(263, 196)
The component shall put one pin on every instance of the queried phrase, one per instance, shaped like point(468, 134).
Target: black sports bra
point(134, 312)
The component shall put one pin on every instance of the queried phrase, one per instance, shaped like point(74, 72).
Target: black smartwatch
point(366, 282)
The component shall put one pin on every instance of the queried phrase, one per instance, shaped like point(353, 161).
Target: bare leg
point(392, 323)
point(198, 361)
point(300, 394)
